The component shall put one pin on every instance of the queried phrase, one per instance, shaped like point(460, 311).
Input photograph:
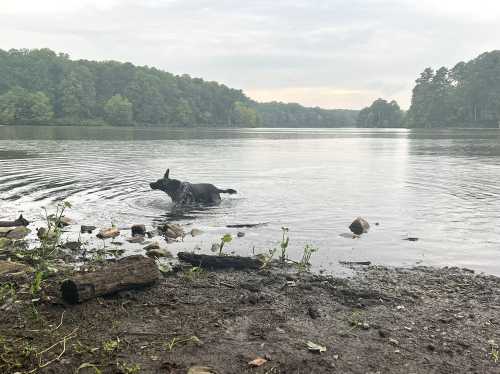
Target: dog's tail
point(229, 191)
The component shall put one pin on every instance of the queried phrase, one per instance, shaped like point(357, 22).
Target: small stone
point(365, 326)
point(18, 233)
point(158, 252)
point(431, 347)
point(400, 307)
point(393, 341)
point(9, 267)
point(196, 232)
point(111, 232)
point(138, 230)
point(4, 231)
point(72, 246)
point(154, 245)
point(383, 333)
point(313, 312)
point(215, 247)
point(359, 226)
point(240, 234)
point(136, 239)
point(84, 229)
point(4, 243)
point(201, 370)
point(65, 221)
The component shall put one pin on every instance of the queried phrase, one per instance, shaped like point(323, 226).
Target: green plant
point(494, 352)
point(284, 245)
point(193, 273)
point(175, 341)
point(305, 262)
point(110, 346)
point(125, 368)
point(37, 282)
point(7, 291)
point(227, 238)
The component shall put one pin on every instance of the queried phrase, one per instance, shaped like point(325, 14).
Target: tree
point(19, 106)
point(244, 116)
point(381, 114)
point(118, 111)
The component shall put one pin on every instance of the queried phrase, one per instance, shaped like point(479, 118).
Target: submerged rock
point(158, 252)
point(111, 232)
point(66, 221)
point(5, 243)
point(138, 230)
point(136, 239)
point(240, 234)
point(196, 232)
point(84, 229)
point(21, 221)
point(172, 230)
point(18, 233)
point(154, 245)
point(359, 226)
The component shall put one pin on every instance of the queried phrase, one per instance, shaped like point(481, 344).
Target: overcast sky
point(334, 54)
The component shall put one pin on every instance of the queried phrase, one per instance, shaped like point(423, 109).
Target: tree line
point(40, 86)
point(467, 95)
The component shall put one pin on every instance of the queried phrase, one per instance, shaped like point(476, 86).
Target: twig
point(63, 341)
point(60, 323)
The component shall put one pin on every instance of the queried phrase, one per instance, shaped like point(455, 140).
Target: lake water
point(440, 186)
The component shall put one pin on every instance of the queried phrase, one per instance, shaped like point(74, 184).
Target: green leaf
point(227, 238)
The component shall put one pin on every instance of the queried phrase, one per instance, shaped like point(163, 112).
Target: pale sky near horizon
point(333, 54)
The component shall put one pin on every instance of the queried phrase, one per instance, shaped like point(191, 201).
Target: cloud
point(335, 53)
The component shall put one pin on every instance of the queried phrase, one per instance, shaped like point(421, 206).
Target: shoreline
point(381, 320)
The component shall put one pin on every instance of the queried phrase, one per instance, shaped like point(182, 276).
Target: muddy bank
point(382, 320)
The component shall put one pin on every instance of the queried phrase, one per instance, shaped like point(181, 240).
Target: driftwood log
point(129, 272)
point(219, 262)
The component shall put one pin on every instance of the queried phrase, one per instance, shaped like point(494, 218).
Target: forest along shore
point(382, 320)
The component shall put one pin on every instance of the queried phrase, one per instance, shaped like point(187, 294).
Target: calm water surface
point(440, 186)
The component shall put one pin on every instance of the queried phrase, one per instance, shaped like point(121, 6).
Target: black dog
point(186, 193)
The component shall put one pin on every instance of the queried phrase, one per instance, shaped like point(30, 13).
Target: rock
point(150, 234)
point(9, 267)
point(44, 235)
point(4, 243)
point(359, 226)
point(313, 312)
point(4, 231)
point(383, 333)
point(215, 247)
point(136, 239)
point(111, 232)
point(66, 221)
point(154, 245)
point(18, 233)
point(159, 252)
point(196, 232)
point(84, 229)
point(240, 234)
point(411, 239)
point(201, 370)
point(138, 230)
point(393, 341)
point(73, 246)
point(172, 230)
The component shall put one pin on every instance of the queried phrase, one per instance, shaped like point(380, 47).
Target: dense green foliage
point(468, 95)
point(57, 90)
point(276, 114)
point(19, 106)
point(381, 114)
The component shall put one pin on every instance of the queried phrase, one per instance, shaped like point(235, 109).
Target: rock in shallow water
point(359, 226)
point(84, 229)
point(111, 232)
point(18, 233)
point(138, 230)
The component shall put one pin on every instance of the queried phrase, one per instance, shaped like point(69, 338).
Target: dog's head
point(165, 184)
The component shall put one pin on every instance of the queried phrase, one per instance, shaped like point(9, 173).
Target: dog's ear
point(166, 174)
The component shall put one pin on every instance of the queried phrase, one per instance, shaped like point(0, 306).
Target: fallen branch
point(219, 262)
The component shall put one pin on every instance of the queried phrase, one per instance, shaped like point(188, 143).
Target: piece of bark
point(220, 262)
point(127, 273)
